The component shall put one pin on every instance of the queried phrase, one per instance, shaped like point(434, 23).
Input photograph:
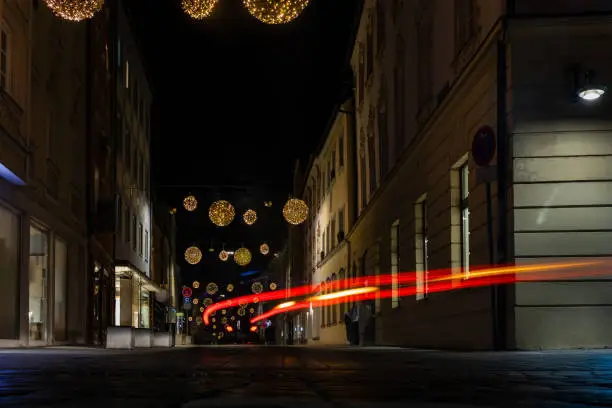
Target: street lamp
point(586, 86)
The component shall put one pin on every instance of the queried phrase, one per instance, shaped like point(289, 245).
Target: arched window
point(328, 306)
point(322, 291)
point(334, 306)
point(342, 286)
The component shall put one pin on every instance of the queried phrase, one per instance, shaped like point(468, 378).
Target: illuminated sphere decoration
point(212, 288)
point(257, 288)
point(241, 312)
point(256, 300)
point(233, 318)
point(221, 213)
point(295, 211)
point(195, 284)
point(251, 310)
point(195, 301)
point(224, 320)
point(230, 288)
point(75, 10)
point(199, 9)
point(264, 249)
point(275, 11)
point(190, 203)
point(202, 308)
point(249, 217)
point(224, 312)
point(273, 286)
point(242, 256)
point(193, 255)
point(223, 255)
point(207, 302)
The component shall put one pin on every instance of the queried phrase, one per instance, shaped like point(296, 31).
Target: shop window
point(38, 278)
point(9, 274)
point(60, 272)
point(421, 247)
point(395, 260)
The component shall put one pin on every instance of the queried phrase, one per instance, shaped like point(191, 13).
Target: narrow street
point(241, 376)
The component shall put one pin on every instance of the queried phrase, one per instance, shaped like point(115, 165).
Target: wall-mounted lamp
point(586, 86)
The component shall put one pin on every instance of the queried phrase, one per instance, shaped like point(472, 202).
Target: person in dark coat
point(347, 325)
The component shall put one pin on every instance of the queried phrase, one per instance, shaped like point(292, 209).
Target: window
point(146, 246)
point(399, 96)
point(361, 73)
point(334, 237)
point(341, 152)
point(464, 207)
point(465, 23)
point(362, 174)
point(372, 163)
point(333, 164)
point(328, 307)
point(334, 307)
point(127, 74)
point(140, 240)
point(370, 48)
point(52, 142)
point(329, 239)
point(127, 224)
point(421, 247)
point(341, 222)
point(5, 57)
point(383, 144)
point(134, 236)
point(9, 273)
point(424, 58)
point(395, 263)
point(119, 221)
point(380, 25)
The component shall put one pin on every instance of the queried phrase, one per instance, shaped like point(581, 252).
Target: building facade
point(431, 74)
point(133, 222)
point(42, 177)
point(329, 194)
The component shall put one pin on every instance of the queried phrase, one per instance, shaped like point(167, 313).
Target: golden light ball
point(207, 302)
point(75, 10)
point(249, 217)
point(241, 312)
point(275, 11)
point(224, 320)
point(295, 211)
point(199, 9)
point(224, 312)
point(190, 318)
point(190, 203)
point(257, 288)
point(193, 255)
point(212, 288)
point(195, 284)
point(202, 309)
point(221, 213)
point(251, 310)
point(264, 249)
point(273, 286)
point(242, 256)
point(223, 255)
point(230, 288)
point(233, 318)
point(196, 301)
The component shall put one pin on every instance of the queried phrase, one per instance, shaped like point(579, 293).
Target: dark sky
point(236, 102)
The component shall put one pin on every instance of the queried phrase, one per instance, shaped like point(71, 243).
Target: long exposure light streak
point(445, 276)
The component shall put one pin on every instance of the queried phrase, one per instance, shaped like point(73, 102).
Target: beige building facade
point(429, 75)
point(42, 177)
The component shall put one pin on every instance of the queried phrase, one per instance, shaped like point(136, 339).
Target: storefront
point(133, 297)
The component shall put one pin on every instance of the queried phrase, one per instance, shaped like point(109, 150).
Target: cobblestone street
point(242, 376)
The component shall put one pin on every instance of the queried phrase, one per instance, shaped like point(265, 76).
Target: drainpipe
point(499, 292)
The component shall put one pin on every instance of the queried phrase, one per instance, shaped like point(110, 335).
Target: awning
point(129, 271)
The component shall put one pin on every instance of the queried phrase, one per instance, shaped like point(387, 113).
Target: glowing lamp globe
point(230, 288)
point(195, 284)
point(273, 286)
point(75, 10)
point(295, 211)
point(221, 213)
point(193, 255)
point(212, 288)
point(242, 256)
point(249, 217)
point(223, 255)
point(198, 9)
point(207, 302)
point(257, 288)
point(264, 249)
point(241, 312)
point(275, 11)
point(190, 203)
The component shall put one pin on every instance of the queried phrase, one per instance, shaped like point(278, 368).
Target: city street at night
point(241, 376)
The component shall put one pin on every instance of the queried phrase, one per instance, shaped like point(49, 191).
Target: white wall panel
point(562, 144)
point(563, 169)
point(562, 194)
point(563, 243)
point(563, 219)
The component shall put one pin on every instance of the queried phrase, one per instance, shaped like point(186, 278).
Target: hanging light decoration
point(264, 249)
point(273, 286)
point(223, 255)
point(295, 211)
point(193, 255)
point(241, 312)
point(232, 318)
point(199, 9)
point(196, 301)
point(224, 320)
point(224, 312)
point(242, 256)
point(190, 203)
point(75, 10)
point(207, 302)
point(251, 310)
point(230, 287)
point(202, 308)
point(275, 11)
point(268, 204)
point(257, 288)
point(195, 284)
point(249, 217)
point(212, 288)
point(221, 213)
point(256, 300)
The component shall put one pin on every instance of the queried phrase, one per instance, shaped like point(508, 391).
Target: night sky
point(236, 102)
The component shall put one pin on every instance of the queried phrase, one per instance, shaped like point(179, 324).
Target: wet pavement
point(251, 376)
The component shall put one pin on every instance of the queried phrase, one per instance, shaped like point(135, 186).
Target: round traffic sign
point(484, 146)
point(187, 292)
